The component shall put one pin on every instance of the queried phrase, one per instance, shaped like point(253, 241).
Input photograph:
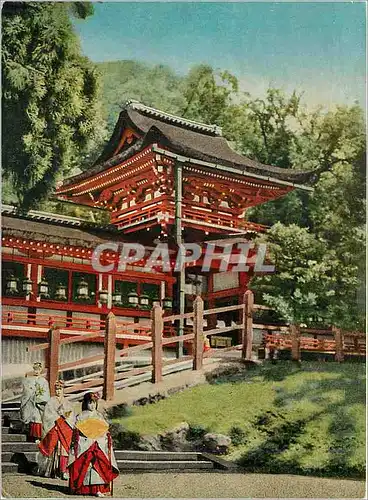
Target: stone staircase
point(155, 461)
point(16, 454)
point(19, 456)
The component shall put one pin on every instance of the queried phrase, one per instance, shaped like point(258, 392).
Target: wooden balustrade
point(53, 358)
point(157, 353)
point(45, 320)
point(160, 334)
point(247, 334)
point(340, 344)
point(295, 342)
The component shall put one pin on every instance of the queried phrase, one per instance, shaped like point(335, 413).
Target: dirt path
point(195, 485)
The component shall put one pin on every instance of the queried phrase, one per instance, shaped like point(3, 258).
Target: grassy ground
point(307, 419)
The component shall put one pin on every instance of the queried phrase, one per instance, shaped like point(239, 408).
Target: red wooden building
point(161, 178)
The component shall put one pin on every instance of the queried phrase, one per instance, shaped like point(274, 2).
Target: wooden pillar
point(295, 342)
point(109, 361)
point(179, 240)
point(211, 318)
point(356, 343)
point(247, 328)
point(53, 358)
point(157, 330)
point(243, 284)
point(198, 334)
point(34, 281)
point(339, 344)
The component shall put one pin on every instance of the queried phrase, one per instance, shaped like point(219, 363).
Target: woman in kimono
point(92, 464)
point(58, 422)
point(206, 344)
point(34, 398)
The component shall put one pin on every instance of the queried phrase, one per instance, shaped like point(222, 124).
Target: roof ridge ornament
point(177, 120)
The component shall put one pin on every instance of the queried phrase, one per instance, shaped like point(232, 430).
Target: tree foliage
point(50, 104)
point(312, 283)
point(330, 283)
point(156, 86)
point(208, 94)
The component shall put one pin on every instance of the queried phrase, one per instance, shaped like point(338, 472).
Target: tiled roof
point(191, 139)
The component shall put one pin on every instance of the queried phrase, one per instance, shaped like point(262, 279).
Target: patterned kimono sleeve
point(43, 394)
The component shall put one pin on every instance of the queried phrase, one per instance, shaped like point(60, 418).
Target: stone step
point(155, 455)
point(18, 447)
point(8, 416)
point(5, 405)
point(153, 465)
point(8, 467)
point(4, 430)
point(11, 412)
point(13, 437)
point(10, 456)
point(15, 425)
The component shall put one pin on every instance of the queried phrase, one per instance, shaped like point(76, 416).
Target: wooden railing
point(161, 332)
point(20, 318)
point(340, 344)
point(40, 322)
point(157, 335)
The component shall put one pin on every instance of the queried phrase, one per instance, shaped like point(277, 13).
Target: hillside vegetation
point(283, 418)
point(156, 86)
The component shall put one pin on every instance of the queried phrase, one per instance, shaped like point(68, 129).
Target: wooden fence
point(340, 344)
point(155, 338)
point(161, 333)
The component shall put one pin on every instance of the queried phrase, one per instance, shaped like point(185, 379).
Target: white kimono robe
point(34, 397)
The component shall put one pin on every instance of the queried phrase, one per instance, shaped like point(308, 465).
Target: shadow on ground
point(288, 434)
point(50, 486)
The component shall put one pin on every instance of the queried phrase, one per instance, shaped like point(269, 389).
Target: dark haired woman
point(92, 464)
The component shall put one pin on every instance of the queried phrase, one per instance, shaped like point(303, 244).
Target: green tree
point(156, 86)
point(311, 283)
point(271, 130)
point(209, 95)
point(300, 287)
point(304, 141)
point(50, 109)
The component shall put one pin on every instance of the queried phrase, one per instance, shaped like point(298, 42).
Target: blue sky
point(315, 47)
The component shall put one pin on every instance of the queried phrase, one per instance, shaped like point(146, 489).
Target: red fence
point(161, 332)
point(155, 338)
point(340, 344)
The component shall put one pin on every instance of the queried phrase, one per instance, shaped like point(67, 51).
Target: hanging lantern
point(156, 302)
point(167, 303)
point(133, 299)
point(12, 285)
point(116, 298)
point(43, 289)
point(82, 290)
point(103, 296)
point(144, 301)
point(27, 285)
point(60, 292)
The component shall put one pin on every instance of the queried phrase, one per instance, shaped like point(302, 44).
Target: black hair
point(87, 398)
